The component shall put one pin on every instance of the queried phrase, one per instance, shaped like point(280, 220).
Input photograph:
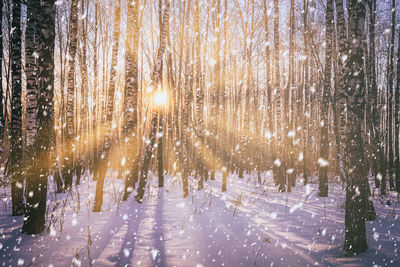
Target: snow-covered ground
point(249, 225)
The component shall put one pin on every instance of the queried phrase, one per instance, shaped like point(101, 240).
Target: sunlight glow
point(160, 98)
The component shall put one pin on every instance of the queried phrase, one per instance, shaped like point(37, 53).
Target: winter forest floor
point(249, 225)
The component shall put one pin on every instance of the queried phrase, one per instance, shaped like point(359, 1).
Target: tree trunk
point(378, 168)
point(96, 91)
point(324, 144)
point(104, 159)
point(34, 221)
point(355, 165)
point(225, 169)
point(342, 78)
point(199, 128)
point(397, 125)
point(31, 75)
point(268, 70)
point(390, 140)
point(307, 109)
point(131, 96)
point(61, 118)
point(16, 113)
point(186, 111)
point(291, 175)
point(160, 133)
point(70, 132)
point(278, 169)
point(160, 162)
point(83, 159)
point(2, 121)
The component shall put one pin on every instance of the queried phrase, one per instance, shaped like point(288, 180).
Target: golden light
point(149, 89)
point(160, 98)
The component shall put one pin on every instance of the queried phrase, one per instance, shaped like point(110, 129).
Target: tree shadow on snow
point(126, 252)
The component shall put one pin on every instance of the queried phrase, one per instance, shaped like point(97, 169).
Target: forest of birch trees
point(308, 90)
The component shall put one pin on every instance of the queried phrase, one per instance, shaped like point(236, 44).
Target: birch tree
point(389, 142)
point(34, 221)
point(68, 171)
point(16, 152)
point(324, 146)
point(104, 157)
point(2, 122)
point(131, 96)
point(278, 170)
point(355, 164)
point(155, 75)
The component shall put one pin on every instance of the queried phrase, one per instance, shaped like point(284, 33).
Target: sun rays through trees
point(195, 95)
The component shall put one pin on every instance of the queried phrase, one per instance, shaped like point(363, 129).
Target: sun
point(160, 98)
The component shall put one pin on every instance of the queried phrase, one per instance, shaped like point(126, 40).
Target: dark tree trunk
point(390, 143)
point(2, 121)
point(160, 162)
point(16, 113)
point(324, 144)
point(397, 125)
point(34, 221)
point(160, 133)
point(355, 164)
point(146, 159)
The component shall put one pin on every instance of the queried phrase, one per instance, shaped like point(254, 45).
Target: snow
point(249, 225)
